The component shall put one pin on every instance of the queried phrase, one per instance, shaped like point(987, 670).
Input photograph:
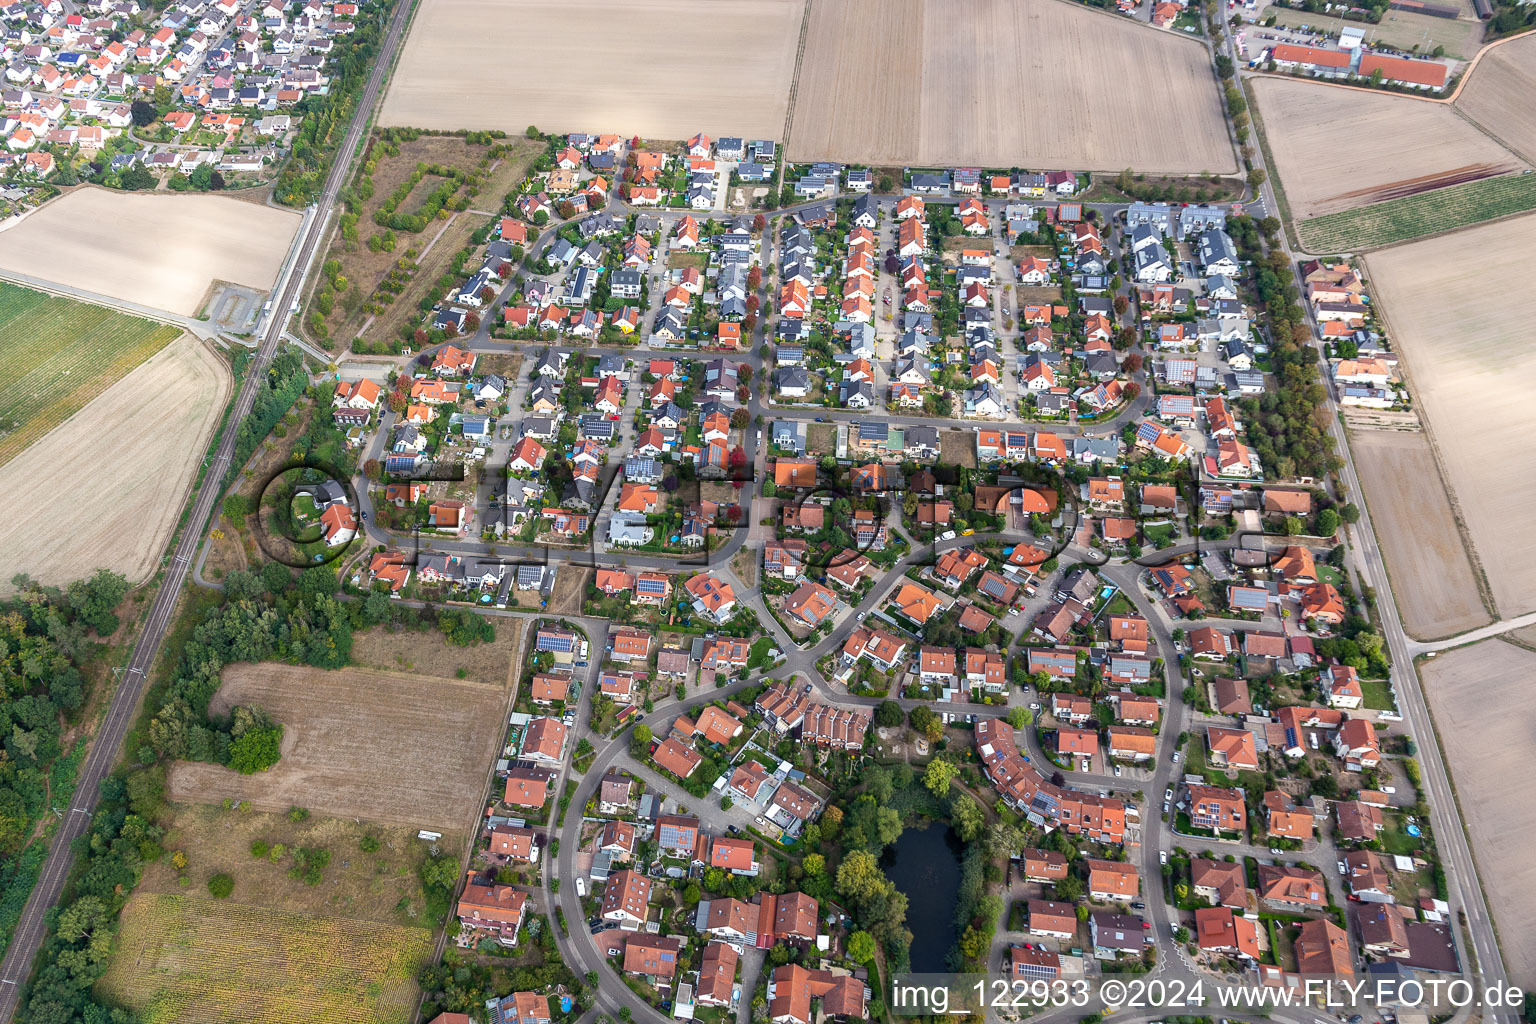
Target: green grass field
point(58, 355)
point(1416, 216)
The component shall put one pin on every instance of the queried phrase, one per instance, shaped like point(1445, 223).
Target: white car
point(1168, 793)
point(1086, 766)
point(581, 887)
point(1035, 706)
point(1177, 757)
point(1162, 856)
point(1117, 771)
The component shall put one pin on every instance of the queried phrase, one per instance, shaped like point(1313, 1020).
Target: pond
point(924, 863)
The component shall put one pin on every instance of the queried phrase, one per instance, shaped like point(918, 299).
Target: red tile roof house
point(1216, 808)
point(717, 975)
point(527, 787)
point(1052, 919)
point(497, 909)
point(675, 756)
point(654, 956)
point(1112, 880)
point(626, 898)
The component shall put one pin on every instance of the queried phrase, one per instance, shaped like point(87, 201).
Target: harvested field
point(859, 100)
point(1498, 94)
point(408, 650)
point(1463, 352)
point(187, 957)
point(60, 354)
point(1336, 149)
point(105, 488)
point(1461, 37)
point(717, 66)
point(385, 746)
point(1420, 215)
point(1484, 751)
point(162, 251)
point(1431, 571)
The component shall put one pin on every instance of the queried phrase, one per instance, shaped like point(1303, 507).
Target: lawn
point(1427, 213)
point(1378, 694)
point(58, 355)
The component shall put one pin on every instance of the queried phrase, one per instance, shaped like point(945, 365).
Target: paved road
point(31, 929)
point(1466, 891)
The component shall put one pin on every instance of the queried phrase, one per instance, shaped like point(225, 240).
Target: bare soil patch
point(570, 590)
point(104, 489)
point(821, 438)
point(159, 250)
point(655, 68)
point(1336, 149)
point(957, 447)
point(1498, 95)
point(1003, 83)
point(1432, 575)
point(386, 746)
point(1485, 751)
point(428, 652)
point(1469, 359)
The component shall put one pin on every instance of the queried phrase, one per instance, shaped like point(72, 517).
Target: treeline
point(283, 384)
point(47, 637)
point(325, 116)
point(1287, 426)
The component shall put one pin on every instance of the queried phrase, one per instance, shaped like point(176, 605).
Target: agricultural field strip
point(1419, 216)
point(1497, 95)
point(1335, 149)
point(60, 354)
point(1458, 309)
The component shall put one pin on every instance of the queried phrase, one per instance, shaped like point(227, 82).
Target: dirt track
point(1484, 704)
point(160, 250)
point(102, 489)
point(385, 746)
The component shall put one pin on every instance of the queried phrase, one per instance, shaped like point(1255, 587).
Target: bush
point(259, 849)
point(221, 885)
point(256, 750)
point(369, 844)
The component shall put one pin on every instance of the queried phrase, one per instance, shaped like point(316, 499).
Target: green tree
point(938, 775)
point(1327, 523)
point(861, 947)
point(888, 714)
point(1019, 717)
point(256, 750)
point(967, 817)
point(221, 885)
